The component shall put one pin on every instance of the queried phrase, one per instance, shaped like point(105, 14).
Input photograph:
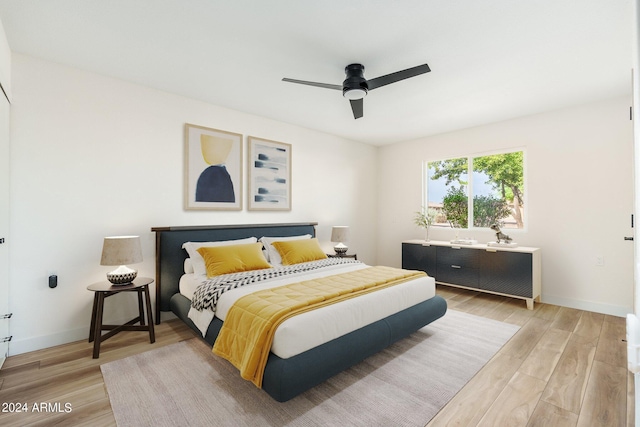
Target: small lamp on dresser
point(340, 234)
point(121, 250)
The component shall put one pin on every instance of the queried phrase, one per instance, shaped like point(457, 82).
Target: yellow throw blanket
point(247, 333)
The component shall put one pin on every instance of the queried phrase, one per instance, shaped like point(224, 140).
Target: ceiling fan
point(355, 86)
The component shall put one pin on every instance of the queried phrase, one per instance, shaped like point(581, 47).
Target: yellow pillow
point(233, 258)
point(297, 251)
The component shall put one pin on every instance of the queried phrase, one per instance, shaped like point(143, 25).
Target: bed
point(284, 377)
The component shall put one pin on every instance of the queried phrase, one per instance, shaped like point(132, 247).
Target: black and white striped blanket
point(207, 294)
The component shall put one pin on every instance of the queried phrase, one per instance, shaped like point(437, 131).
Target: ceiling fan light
point(354, 94)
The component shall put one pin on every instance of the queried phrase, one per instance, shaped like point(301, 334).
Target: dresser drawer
point(458, 275)
point(463, 257)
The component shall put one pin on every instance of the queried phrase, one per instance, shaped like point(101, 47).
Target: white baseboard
point(612, 310)
point(19, 346)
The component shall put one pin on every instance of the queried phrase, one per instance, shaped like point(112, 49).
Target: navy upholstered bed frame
point(283, 378)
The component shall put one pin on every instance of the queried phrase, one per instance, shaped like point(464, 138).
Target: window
point(479, 190)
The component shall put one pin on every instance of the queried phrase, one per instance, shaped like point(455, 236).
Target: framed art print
point(213, 169)
point(269, 175)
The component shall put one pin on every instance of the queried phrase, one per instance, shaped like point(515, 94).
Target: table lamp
point(121, 250)
point(340, 234)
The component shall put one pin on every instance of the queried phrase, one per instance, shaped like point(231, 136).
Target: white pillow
point(274, 256)
point(188, 266)
point(197, 261)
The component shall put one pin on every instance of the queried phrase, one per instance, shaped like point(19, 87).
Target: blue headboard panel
point(170, 256)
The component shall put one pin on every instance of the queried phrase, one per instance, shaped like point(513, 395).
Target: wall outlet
point(600, 261)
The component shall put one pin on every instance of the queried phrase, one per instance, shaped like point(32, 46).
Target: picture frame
point(269, 175)
point(213, 169)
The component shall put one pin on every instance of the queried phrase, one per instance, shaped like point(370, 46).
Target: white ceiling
point(491, 59)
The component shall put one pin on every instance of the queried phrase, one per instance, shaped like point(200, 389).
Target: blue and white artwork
point(213, 169)
point(269, 175)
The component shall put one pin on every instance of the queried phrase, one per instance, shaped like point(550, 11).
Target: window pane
point(447, 192)
point(498, 190)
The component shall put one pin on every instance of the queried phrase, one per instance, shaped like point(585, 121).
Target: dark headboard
point(170, 256)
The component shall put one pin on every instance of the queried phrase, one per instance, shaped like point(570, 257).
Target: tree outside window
point(496, 185)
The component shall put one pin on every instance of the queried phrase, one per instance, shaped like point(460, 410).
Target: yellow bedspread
point(247, 333)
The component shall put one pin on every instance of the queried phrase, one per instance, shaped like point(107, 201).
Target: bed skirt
point(286, 378)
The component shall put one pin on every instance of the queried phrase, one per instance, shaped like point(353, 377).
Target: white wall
point(94, 156)
point(5, 62)
point(579, 172)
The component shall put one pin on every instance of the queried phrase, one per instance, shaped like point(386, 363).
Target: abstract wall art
point(269, 175)
point(213, 169)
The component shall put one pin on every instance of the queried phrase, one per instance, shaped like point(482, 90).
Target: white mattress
point(308, 330)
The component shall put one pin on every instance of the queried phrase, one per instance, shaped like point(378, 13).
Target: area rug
point(404, 385)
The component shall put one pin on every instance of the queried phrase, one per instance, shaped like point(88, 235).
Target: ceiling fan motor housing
point(355, 85)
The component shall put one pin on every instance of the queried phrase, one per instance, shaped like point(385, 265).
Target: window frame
point(470, 186)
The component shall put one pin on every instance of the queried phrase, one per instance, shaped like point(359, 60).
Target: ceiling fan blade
point(303, 82)
point(397, 76)
point(357, 107)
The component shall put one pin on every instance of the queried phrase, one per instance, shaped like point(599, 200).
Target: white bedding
point(308, 330)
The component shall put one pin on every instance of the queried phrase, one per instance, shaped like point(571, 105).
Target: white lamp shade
point(340, 233)
point(121, 250)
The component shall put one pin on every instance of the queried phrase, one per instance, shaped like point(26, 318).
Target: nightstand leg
point(97, 334)
point(152, 334)
point(140, 307)
point(92, 328)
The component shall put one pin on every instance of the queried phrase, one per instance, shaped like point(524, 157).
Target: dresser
point(513, 272)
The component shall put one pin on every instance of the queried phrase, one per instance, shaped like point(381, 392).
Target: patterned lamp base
point(121, 278)
point(340, 249)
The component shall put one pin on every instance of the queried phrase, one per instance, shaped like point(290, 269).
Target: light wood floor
point(564, 367)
